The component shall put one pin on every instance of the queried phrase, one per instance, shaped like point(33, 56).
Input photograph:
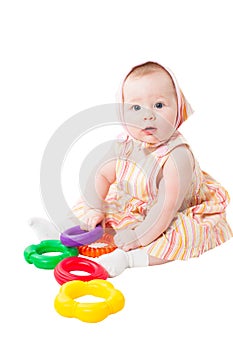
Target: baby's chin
point(154, 138)
point(149, 139)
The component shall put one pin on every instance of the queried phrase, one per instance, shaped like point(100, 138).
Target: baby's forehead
point(155, 83)
point(160, 75)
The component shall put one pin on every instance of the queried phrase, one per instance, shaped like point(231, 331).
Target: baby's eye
point(159, 105)
point(136, 108)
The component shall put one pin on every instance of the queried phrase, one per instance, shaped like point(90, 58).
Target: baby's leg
point(119, 260)
point(44, 229)
point(156, 261)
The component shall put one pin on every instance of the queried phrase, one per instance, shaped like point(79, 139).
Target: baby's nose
point(149, 117)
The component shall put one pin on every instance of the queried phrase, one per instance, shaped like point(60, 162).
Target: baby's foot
point(119, 260)
point(115, 263)
point(44, 229)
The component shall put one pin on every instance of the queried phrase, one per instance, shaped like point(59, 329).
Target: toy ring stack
point(33, 254)
point(75, 236)
point(94, 252)
point(65, 304)
point(62, 270)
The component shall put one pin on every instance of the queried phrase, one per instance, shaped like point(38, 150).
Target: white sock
point(119, 260)
point(138, 258)
point(44, 229)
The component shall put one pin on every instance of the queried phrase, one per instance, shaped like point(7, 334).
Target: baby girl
point(167, 207)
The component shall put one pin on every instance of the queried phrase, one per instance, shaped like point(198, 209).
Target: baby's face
point(150, 104)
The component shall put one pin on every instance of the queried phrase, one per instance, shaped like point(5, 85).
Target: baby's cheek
point(166, 127)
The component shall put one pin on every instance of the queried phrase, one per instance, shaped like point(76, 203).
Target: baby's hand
point(126, 240)
point(91, 219)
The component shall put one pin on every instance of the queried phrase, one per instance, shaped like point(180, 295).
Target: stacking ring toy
point(94, 252)
point(75, 236)
point(62, 270)
point(65, 304)
point(33, 254)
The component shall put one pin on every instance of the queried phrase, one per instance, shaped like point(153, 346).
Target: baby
point(166, 207)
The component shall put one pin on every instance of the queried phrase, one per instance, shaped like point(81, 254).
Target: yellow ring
point(65, 304)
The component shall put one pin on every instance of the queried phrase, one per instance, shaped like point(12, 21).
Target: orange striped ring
point(95, 252)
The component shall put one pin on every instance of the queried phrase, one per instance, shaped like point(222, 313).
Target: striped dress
point(199, 225)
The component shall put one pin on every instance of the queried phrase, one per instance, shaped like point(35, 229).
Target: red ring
point(62, 270)
point(95, 252)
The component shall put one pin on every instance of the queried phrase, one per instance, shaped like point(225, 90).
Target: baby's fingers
point(89, 224)
point(85, 224)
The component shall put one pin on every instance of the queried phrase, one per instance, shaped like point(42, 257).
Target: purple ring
point(75, 236)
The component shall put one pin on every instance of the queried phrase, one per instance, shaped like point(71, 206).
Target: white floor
point(166, 307)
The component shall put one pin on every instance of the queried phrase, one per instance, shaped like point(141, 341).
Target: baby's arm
point(101, 176)
point(175, 181)
point(98, 185)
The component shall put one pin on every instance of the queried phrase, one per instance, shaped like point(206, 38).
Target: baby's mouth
point(149, 130)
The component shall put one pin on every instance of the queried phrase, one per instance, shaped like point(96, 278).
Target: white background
point(59, 58)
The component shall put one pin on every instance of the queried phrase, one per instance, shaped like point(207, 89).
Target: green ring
point(33, 254)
